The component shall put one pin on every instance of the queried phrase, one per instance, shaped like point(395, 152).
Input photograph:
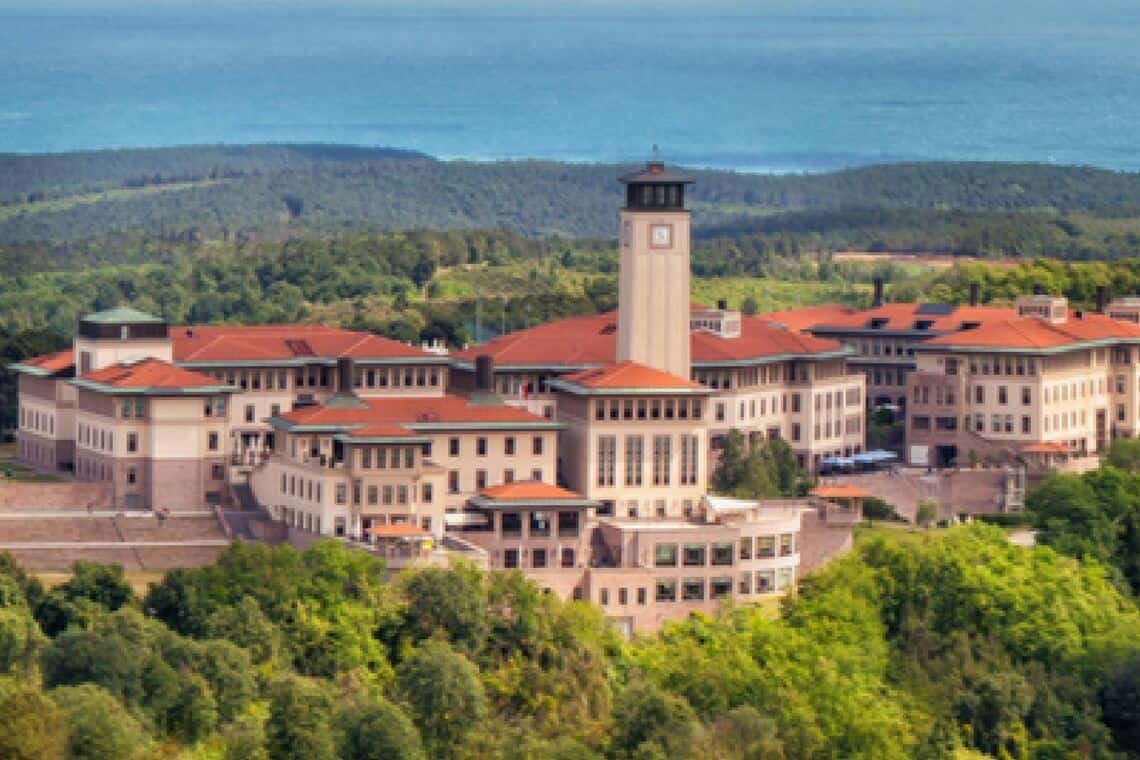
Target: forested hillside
point(942, 646)
point(287, 190)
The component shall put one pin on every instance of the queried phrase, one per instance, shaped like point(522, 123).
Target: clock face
point(661, 235)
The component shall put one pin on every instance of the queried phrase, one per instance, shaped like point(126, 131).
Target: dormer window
point(923, 324)
point(878, 323)
point(970, 325)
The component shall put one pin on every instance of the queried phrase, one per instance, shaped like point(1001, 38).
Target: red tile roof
point(380, 431)
point(629, 375)
point(1031, 332)
point(149, 374)
point(758, 338)
point(222, 343)
point(808, 316)
point(592, 341)
point(53, 363)
point(1048, 447)
point(529, 490)
point(903, 316)
point(389, 412)
point(840, 492)
point(399, 530)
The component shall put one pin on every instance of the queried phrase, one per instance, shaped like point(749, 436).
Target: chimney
point(878, 301)
point(1038, 289)
point(975, 293)
point(1101, 299)
point(345, 369)
point(485, 373)
point(722, 304)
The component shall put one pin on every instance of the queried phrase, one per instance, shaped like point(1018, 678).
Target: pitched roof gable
point(230, 343)
point(149, 375)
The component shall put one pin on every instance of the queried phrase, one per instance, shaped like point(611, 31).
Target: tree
point(1124, 454)
point(443, 690)
point(299, 725)
point(452, 601)
point(926, 514)
point(98, 727)
point(378, 730)
point(33, 728)
point(653, 723)
point(1068, 517)
point(1120, 703)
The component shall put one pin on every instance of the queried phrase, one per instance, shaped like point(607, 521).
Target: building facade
point(1042, 384)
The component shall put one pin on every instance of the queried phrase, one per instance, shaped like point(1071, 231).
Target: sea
point(761, 86)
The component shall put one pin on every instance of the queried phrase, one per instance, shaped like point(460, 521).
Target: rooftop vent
point(299, 347)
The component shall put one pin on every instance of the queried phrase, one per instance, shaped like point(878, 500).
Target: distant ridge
point(284, 190)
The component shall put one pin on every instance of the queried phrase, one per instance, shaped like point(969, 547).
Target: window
point(693, 589)
point(719, 588)
point(140, 407)
point(453, 481)
point(540, 524)
point(642, 595)
point(604, 597)
point(538, 558)
point(722, 554)
point(1003, 395)
point(694, 555)
point(426, 493)
point(567, 558)
point(211, 442)
point(508, 475)
point(510, 558)
point(536, 446)
point(979, 394)
point(567, 524)
point(511, 524)
point(1026, 395)
point(1026, 424)
point(665, 555)
point(128, 405)
point(765, 547)
point(661, 459)
point(607, 459)
point(666, 590)
point(480, 447)
point(795, 431)
point(689, 460)
point(133, 441)
point(746, 547)
point(250, 412)
point(341, 493)
point(765, 581)
point(218, 471)
point(634, 454)
point(373, 494)
point(745, 587)
point(132, 475)
point(509, 445)
point(787, 544)
point(453, 447)
point(480, 480)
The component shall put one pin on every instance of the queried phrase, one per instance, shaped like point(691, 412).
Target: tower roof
point(656, 173)
point(123, 315)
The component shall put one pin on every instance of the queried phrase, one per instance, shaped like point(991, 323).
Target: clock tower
point(653, 285)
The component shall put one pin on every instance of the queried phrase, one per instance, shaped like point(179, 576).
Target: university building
point(578, 451)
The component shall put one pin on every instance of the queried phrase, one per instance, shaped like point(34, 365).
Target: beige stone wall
point(653, 290)
point(107, 351)
point(583, 442)
point(32, 497)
